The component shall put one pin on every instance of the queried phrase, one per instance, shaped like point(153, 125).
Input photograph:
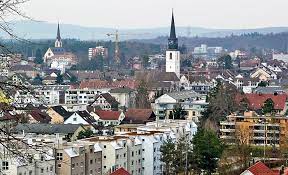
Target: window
point(73, 165)
point(91, 161)
point(91, 150)
point(20, 174)
point(51, 168)
point(104, 166)
point(104, 146)
point(193, 113)
point(5, 165)
point(117, 156)
point(132, 163)
point(42, 170)
point(139, 151)
point(42, 158)
point(104, 157)
point(132, 153)
point(170, 56)
point(124, 155)
point(59, 165)
point(82, 164)
point(59, 156)
point(91, 171)
point(154, 150)
point(74, 119)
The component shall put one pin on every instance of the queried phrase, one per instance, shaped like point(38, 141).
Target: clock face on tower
point(173, 44)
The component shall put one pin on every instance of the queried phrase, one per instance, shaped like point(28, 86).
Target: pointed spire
point(58, 33)
point(172, 30)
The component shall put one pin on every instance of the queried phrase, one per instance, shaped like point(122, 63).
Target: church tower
point(173, 54)
point(58, 42)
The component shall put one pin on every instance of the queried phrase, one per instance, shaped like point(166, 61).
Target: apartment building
point(51, 94)
point(191, 102)
point(39, 162)
point(80, 96)
point(255, 129)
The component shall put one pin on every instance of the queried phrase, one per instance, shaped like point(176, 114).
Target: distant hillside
point(251, 41)
point(44, 30)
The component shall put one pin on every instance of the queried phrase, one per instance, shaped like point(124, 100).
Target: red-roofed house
point(120, 171)
point(260, 168)
point(36, 116)
point(108, 117)
point(139, 116)
point(256, 101)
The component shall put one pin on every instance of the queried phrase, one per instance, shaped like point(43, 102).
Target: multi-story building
point(27, 162)
point(52, 94)
point(80, 96)
point(70, 160)
point(255, 129)
point(99, 50)
point(191, 102)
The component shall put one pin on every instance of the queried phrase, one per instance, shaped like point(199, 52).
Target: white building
point(80, 96)
point(51, 94)
point(281, 57)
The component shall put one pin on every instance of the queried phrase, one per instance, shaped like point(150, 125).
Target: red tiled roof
point(120, 171)
point(108, 115)
point(261, 169)
point(256, 101)
point(94, 84)
point(139, 116)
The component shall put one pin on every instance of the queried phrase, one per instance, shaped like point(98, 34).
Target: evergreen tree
point(268, 106)
point(168, 156)
point(38, 57)
point(207, 149)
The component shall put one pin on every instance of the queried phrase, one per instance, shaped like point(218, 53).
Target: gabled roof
point(62, 111)
point(108, 115)
point(86, 116)
point(261, 169)
point(40, 116)
point(108, 97)
point(46, 128)
point(256, 101)
point(120, 171)
point(183, 95)
point(139, 116)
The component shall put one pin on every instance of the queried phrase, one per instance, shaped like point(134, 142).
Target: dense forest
point(128, 49)
point(277, 41)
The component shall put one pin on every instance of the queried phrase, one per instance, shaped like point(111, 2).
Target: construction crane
point(117, 49)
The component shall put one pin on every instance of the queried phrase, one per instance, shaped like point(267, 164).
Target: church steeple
point(172, 30)
point(172, 41)
point(58, 42)
point(58, 32)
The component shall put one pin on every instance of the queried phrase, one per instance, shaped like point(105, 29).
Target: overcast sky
point(156, 13)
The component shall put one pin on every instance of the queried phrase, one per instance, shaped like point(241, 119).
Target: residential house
point(260, 168)
point(256, 101)
point(191, 102)
point(67, 131)
point(105, 101)
point(263, 74)
point(139, 116)
point(108, 118)
point(20, 79)
point(80, 96)
point(37, 116)
point(58, 114)
point(29, 70)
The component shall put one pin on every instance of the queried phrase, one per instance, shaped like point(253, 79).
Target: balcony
point(227, 130)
